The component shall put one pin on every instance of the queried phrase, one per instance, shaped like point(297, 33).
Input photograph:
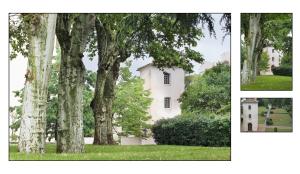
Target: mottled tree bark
point(33, 122)
point(110, 57)
point(109, 95)
point(254, 47)
point(106, 51)
point(72, 33)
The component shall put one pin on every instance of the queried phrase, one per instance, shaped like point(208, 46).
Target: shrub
point(282, 70)
point(275, 129)
point(269, 122)
point(192, 130)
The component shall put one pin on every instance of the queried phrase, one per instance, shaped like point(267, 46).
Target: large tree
point(167, 38)
point(72, 32)
point(260, 30)
point(37, 33)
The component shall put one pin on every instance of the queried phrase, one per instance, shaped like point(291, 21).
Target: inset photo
point(266, 115)
point(266, 51)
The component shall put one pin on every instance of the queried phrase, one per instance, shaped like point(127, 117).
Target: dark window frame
point(167, 102)
point(167, 78)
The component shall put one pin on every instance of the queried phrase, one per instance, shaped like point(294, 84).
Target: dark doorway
point(250, 127)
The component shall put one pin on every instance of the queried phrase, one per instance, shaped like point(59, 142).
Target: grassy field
point(269, 83)
point(143, 152)
point(281, 119)
point(279, 129)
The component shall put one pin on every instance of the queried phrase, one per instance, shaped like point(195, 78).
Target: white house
point(165, 87)
point(249, 115)
point(274, 59)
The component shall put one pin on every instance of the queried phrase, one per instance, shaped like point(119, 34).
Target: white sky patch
point(17, 73)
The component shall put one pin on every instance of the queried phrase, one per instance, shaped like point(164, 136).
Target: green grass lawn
point(269, 83)
point(279, 129)
point(142, 152)
point(280, 118)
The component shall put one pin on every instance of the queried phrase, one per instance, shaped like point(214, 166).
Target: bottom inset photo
point(266, 115)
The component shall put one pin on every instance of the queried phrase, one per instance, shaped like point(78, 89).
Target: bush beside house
point(193, 130)
point(282, 70)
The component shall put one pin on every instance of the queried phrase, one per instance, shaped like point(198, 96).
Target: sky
point(210, 47)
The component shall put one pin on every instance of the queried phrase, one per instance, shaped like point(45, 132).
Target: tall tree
point(260, 30)
point(168, 38)
point(72, 32)
point(37, 33)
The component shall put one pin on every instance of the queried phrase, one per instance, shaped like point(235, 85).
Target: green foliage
point(263, 63)
point(283, 70)
point(88, 94)
point(209, 92)
point(17, 110)
point(275, 102)
point(276, 29)
point(18, 36)
point(269, 121)
point(195, 130)
point(131, 104)
point(168, 38)
point(287, 60)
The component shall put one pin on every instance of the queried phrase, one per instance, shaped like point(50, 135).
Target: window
point(167, 102)
point(166, 78)
point(273, 50)
point(249, 115)
point(249, 107)
point(272, 59)
point(242, 111)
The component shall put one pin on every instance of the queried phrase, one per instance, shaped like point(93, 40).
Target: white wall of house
point(249, 114)
point(274, 59)
point(154, 82)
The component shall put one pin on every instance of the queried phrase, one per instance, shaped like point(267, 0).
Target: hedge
point(193, 131)
point(282, 70)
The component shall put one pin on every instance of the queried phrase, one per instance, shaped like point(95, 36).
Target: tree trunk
point(253, 49)
point(106, 58)
point(109, 95)
point(110, 57)
point(33, 124)
point(72, 37)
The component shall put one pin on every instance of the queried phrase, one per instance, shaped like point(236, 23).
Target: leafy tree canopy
point(131, 104)
point(276, 30)
point(208, 93)
point(168, 38)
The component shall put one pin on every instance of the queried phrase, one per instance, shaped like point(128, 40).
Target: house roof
point(249, 100)
point(142, 67)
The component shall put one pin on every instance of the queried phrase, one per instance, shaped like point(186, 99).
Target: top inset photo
point(266, 52)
